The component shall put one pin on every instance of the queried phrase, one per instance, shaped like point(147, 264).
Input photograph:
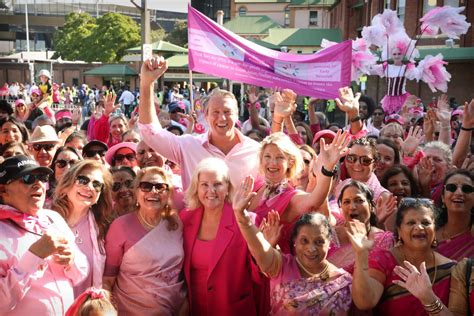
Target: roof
point(111, 71)
point(264, 44)
point(449, 54)
point(302, 37)
point(178, 61)
point(313, 2)
point(160, 46)
point(251, 24)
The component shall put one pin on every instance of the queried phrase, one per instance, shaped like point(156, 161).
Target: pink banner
point(216, 51)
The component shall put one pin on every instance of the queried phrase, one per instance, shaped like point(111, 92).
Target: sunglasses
point(148, 186)
point(61, 163)
point(92, 153)
point(306, 161)
point(363, 160)
point(118, 185)
point(47, 147)
point(409, 202)
point(465, 188)
point(30, 179)
point(129, 157)
point(84, 181)
point(377, 114)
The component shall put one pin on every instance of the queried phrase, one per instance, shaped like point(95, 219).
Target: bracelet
point(328, 173)
point(467, 129)
point(355, 119)
point(434, 308)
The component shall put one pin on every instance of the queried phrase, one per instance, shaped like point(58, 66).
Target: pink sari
point(148, 282)
point(457, 248)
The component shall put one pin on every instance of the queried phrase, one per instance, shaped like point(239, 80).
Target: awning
point(449, 54)
point(178, 61)
point(112, 71)
point(160, 47)
point(180, 77)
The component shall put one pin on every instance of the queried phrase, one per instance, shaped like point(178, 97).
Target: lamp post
point(30, 66)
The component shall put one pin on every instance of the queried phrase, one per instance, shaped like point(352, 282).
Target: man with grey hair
point(222, 140)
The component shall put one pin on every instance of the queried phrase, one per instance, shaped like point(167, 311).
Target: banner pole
point(191, 90)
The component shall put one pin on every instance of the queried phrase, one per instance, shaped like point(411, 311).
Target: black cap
point(95, 143)
point(17, 166)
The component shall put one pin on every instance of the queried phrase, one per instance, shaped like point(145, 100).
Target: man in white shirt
point(127, 99)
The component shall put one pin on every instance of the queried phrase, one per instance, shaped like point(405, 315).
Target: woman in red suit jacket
point(221, 276)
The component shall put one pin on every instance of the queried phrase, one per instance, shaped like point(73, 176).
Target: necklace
point(323, 275)
point(434, 263)
point(448, 237)
point(143, 220)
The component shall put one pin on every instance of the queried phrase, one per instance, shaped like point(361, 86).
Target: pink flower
point(447, 19)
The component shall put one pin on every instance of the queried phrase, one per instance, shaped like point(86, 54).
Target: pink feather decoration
point(374, 35)
point(447, 19)
point(432, 72)
point(390, 21)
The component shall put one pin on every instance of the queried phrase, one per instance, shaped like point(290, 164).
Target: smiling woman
point(83, 198)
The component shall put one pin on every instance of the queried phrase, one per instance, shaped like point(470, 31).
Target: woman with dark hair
point(302, 282)
point(305, 133)
point(389, 155)
point(83, 198)
point(12, 130)
point(400, 182)
point(76, 140)
point(409, 279)
point(454, 230)
point(357, 204)
point(12, 149)
point(123, 194)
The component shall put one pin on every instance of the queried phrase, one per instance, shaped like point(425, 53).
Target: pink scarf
point(24, 221)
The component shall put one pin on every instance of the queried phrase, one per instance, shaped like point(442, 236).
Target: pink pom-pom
point(374, 35)
point(432, 72)
point(447, 19)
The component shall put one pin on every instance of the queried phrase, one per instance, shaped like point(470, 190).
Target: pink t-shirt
point(84, 242)
point(188, 150)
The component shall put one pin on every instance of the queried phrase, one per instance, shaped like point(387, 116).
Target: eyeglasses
point(148, 186)
point(363, 160)
point(30, 179)
point(84, 181)
point(47, 147)
point(92, 153)
point(306, 161)
point(118, 185)
point(61, 163)
point(377, 114)
point(409, 202)
point(465, 188)
point(129, 157)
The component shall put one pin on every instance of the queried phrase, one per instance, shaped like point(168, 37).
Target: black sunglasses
point(84, 181)
point(148, 186)
point(465, 188)
point(129, 157)
point(47, 147)
point(409, 202)
point(30, 179)
point(61, 163)
point(92, 153)
point(364, 160)
point(118, 185)
point(306, 161)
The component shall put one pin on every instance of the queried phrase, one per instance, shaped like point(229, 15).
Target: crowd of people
point(179, 208)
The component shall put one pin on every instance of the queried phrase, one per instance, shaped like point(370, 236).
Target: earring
point(399, 241)
point(434, 244)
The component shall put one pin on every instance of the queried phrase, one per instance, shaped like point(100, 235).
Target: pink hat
point(325, 133)
point(63, 114)
point(394, 118)
point(36, 91)
point(19, 101)
point(457, 112)
point(109, 156)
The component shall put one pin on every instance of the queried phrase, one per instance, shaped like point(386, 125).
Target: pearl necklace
point(323, 275)
point(143, 220)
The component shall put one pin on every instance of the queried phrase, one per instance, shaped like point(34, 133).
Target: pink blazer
point(233, 277)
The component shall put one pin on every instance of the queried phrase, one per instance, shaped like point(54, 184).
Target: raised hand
point(357, 233)
point(412, 141)
point(416, 282)
point(386, 206)
point(468, 116)
point(242, 198)
point(329, 155)
point(284, 103)
point(253, 95)
point(468, 163)
point(152, 69)
point(443, 113)
point(425, 170)
point(429, 123)
point(350, 102)
point(109, 104)
point(271, 227)
point(76, 115)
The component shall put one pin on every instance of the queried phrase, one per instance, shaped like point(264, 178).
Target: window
point(401, 4)
point(452, 3)
point(428, 5)
point(313, 18)
point(242, 11)
point(287, 16)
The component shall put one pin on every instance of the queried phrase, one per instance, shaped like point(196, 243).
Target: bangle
point(328, 173)
point(467, 129)
point(355, 119)
point(435, 307)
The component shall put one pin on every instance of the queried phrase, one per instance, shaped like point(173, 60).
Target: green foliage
point(179, 35)
point(157, 35)
point(104, 39)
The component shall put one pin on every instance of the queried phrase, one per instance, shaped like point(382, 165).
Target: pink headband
point(63, 114)
point(91, 292)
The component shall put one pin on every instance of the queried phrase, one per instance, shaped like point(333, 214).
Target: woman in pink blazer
point(221, 276)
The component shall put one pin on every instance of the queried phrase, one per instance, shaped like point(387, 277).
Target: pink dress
point(292, 294)
point(200, 263)
point(148, 278)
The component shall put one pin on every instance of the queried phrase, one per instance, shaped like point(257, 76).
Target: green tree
point(179, 34)
point(157, 35)
point(114, 34)
point(69, 39)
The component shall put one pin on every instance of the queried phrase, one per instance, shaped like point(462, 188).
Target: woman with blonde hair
point(145, 251)
point(83, 198)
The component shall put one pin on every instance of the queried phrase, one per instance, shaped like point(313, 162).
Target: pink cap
point(457, 112)
point(63, 114)
point(325, 133)
point(36, 91)
point(19, 101)
point(394, 118)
